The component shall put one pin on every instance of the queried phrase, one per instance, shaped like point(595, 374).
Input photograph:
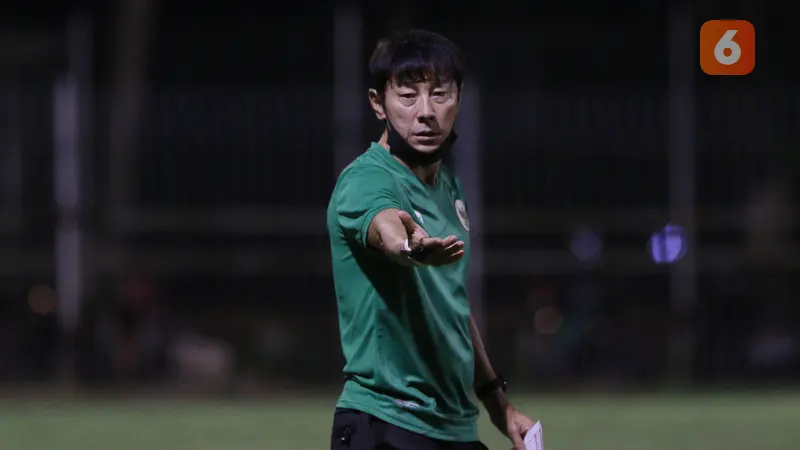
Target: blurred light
point(586, 245)
point(548, 320)
point(668, 245)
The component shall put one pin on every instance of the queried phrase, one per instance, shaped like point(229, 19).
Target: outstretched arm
point(394, 232)
point(369, 212)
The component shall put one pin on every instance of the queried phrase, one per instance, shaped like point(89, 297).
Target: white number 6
point(726, 42)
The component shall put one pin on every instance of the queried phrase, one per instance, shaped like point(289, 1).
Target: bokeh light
point(668, 245)
point(586, 245)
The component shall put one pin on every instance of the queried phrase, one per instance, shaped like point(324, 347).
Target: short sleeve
point(363, 192)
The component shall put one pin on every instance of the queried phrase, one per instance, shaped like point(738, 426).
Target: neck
point(427, 173)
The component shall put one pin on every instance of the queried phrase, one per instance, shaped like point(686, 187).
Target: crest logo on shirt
point(461, 211)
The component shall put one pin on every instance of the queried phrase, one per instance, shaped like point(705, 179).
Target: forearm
point(484, 372)
point(483, 367)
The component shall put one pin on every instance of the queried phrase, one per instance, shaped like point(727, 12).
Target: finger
point(433, 244)
point(454, 257)
point(448, 241)
point(441, 259)
point(527, 426)
point(456, 246)
point(519, 444)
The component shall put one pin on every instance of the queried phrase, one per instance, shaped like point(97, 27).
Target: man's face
point(422, 113)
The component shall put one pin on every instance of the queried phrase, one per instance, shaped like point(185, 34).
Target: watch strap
point(417, 255)
point(491, 386)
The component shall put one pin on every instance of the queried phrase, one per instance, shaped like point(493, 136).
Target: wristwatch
point(488, 388)
point(417, 255)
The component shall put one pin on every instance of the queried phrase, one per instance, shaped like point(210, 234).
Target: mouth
point(426, 134)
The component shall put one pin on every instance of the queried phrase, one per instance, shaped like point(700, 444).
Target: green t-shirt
point(405, 332)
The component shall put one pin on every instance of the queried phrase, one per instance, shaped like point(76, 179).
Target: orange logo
point(727, 47)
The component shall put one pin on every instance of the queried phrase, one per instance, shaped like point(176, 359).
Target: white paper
point(533, 439)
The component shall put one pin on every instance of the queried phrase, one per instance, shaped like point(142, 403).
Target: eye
point(408, 95)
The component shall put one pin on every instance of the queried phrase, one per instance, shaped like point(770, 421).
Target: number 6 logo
point(727, 47)
point(727, 43)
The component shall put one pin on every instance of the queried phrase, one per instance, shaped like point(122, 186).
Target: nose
point(426, 110)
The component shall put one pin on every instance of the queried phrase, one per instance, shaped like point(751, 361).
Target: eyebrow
point(434, 84)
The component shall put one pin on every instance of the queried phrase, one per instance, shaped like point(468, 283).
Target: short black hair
point(414, 56)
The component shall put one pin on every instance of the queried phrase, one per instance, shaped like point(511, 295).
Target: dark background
point(207, 157)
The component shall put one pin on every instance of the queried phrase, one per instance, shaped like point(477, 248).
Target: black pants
point(355, 430)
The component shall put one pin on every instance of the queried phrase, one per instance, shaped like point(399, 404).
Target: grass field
point(700, 422)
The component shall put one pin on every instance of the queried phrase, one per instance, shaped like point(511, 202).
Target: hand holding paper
point(533, 439)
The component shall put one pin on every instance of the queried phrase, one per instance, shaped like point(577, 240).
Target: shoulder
point(366, 164)
point(365, 172)
point(363, 179)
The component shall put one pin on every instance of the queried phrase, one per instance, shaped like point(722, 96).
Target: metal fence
point(259, 162)
point(223, 196)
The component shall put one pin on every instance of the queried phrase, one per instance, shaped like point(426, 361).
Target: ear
point(376, 104)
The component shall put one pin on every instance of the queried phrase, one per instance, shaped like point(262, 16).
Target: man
point(400, 248)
